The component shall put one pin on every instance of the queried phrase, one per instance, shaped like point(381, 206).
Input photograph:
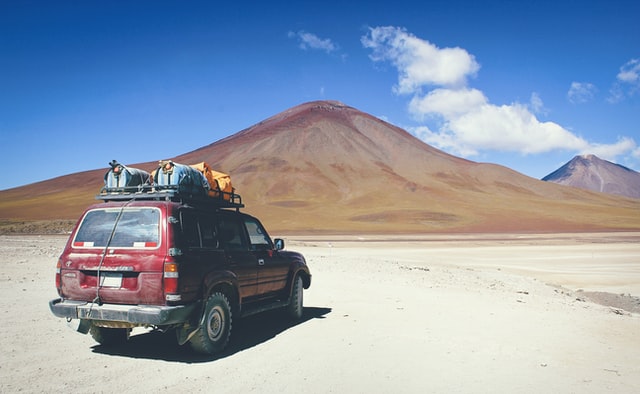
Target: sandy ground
point(463, 314)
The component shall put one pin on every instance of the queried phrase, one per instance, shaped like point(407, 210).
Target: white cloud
point(627, 82)
point(419, 62)
point(311, 41)
point(463, 121)
point(512, 128)
point(581, 92)
point(444, 140)
point(612, 151)
point(507, 128)
point(447, 103)
point(616, 94)
point(630, 72)
point(536, 104)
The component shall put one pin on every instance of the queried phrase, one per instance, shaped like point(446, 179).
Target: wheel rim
point(215, 323)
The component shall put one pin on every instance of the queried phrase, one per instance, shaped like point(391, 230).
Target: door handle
point(260, 261)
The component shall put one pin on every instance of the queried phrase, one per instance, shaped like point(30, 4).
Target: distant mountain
point(589, 172)
point(325, 167)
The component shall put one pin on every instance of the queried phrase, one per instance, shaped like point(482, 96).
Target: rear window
point(131, 228)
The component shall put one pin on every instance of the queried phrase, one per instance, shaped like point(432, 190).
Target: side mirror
point(279, 243)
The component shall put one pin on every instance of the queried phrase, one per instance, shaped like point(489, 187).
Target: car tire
point(109, 336)
point(295, 307)
point(215, 329)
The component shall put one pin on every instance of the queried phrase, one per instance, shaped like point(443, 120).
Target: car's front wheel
point(295, 307)
point(215, 329)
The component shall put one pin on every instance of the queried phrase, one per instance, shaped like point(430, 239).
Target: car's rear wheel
point(109, 336)
point(215, 329)
point(295, 307)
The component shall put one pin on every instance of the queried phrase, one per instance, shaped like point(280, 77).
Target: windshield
point(136, 228)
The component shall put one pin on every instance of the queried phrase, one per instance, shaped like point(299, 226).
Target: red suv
point(157, 259)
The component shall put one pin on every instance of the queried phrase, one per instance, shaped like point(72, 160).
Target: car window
point(190, 232)
point(208, 232)
point(131, 228)
point(257, 236)
point(230, 233)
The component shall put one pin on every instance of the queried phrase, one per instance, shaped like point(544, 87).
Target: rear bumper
point(135, 314)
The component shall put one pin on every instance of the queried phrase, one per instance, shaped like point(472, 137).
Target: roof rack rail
point(169, 193)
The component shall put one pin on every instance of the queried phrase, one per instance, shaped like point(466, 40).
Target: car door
point(232, 238)
point(273, 269)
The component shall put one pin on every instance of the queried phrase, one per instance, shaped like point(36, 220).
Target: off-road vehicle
point(161, 258)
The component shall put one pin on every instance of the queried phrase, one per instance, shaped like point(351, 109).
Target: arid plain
point(436, 313)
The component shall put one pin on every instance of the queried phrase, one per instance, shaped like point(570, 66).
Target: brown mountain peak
point(327, 167)
point(322, 132)
point(589, 172)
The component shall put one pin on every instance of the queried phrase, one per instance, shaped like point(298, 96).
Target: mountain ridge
point(589, 172)
point(325, 167)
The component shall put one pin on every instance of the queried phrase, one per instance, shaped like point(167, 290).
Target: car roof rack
point(175, 193)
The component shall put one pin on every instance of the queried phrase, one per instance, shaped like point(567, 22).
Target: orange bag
point(219, 183)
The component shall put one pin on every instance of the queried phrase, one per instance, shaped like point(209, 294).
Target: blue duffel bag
point(121, 176)
point(188, 180)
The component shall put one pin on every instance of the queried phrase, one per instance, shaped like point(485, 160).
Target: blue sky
point(527, 85)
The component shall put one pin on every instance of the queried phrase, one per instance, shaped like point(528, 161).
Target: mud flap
point(188, 329)
point(80, 325)
point(184, 333)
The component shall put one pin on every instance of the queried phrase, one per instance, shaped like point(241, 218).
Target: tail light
point(170, 280)
point(58, 280)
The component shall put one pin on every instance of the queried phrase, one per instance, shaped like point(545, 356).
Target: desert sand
point(553, 313)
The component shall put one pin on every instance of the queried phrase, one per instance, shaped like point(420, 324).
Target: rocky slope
point(589, 172)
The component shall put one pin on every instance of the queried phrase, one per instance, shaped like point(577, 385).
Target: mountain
point(325, 167)
point(589, 172)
